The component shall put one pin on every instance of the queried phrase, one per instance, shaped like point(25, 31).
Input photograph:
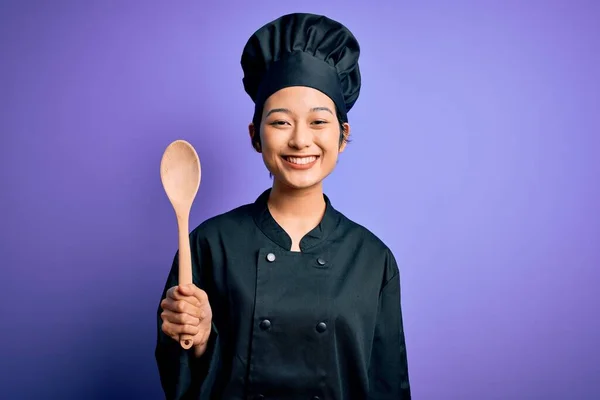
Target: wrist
point(199, 349)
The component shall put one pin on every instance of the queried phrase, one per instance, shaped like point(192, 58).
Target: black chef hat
point(302, 50)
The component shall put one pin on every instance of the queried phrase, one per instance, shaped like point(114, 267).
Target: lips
point(297, 160)
point(300, 162)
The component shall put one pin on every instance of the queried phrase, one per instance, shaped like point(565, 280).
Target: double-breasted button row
point(271, 257)
point(265, 325)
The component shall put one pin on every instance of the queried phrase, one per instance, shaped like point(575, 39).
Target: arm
point(388, 370)
point(182, 373)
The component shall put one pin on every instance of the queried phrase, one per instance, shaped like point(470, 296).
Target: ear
point(345, 136)
point(253, 133)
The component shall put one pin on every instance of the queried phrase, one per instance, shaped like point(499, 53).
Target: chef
point(291, 299)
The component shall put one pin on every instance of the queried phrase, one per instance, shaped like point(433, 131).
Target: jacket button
point(271, 257)
point(321, 261)
point(265, 324)
point(321, 327)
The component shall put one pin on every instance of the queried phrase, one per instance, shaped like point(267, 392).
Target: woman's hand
point(186, 310)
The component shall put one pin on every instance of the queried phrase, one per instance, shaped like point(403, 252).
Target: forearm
point(175, 371)
point(182, 373)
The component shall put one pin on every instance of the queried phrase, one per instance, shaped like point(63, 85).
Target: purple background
point(475, 158)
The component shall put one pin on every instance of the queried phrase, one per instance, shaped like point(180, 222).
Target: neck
point(302, 204)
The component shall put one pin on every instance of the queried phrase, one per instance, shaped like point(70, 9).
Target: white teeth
point(301, 160)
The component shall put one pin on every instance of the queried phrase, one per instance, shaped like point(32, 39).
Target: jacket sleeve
point(388, 369)
point(182, 375)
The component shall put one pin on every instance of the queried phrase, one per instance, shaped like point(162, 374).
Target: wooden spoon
point(180, 176)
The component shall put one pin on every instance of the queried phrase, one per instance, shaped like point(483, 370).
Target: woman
point(291, 299)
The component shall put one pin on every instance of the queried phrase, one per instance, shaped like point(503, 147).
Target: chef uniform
point(323, 323)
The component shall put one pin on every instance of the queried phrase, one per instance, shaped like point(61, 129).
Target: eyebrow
point(287, 111)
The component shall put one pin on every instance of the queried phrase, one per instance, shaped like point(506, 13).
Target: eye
point(320, 122)
point(278, 123)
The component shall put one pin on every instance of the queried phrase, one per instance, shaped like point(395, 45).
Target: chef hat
point(302, 50)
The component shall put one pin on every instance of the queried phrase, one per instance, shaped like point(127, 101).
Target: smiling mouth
point(300, 160)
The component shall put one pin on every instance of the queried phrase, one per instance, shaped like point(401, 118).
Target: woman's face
point(300, 136)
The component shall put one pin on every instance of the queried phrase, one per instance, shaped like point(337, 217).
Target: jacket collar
point(267, 224)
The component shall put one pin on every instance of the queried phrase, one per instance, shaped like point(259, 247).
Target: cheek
point(331, 159)
point(331, 146)
point(270, 154)
point(272, 141)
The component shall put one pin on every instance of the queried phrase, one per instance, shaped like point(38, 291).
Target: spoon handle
point(185, 267)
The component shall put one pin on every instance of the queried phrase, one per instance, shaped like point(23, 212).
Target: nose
point(301, 137)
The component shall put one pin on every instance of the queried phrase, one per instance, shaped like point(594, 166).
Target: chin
point(297, 182)
point(303, 185)
point(300, 181)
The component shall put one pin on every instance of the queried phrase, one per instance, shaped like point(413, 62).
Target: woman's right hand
point(186, 310)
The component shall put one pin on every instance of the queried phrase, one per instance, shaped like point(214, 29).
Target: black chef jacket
point(323, 323)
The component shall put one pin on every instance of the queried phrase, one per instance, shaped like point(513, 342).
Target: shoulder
point(363, 238)
point(230, 221)
point(362, 235)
